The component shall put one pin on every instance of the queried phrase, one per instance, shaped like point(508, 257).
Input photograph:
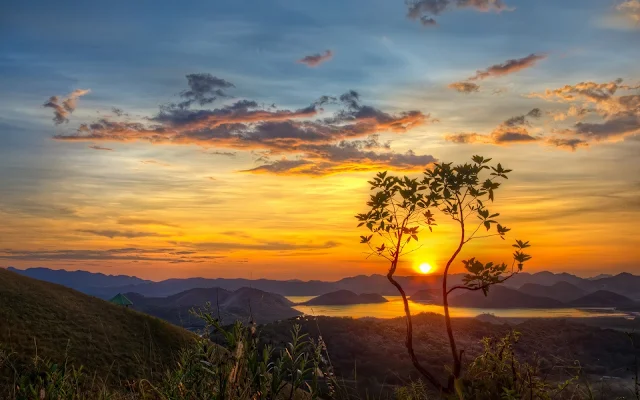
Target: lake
point(395, 308)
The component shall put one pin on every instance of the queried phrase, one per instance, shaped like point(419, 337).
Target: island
point(344, 298)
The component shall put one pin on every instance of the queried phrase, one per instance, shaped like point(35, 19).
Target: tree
point(400, 208)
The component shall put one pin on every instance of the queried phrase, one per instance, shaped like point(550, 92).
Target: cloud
point(63, 107)
point(100, 148)
point(512, 130)
point(570, 144)
point(619, 113)
point(314, 60)
point(264, 246)
point(307, 138)
point(143, 221)
point(111, 234)
point(465, 87)
point(124, 254)
point(222, 153)
point(154, 162)
point(203, 89)
point(424, 10)
point(508, 67)
point(630, 9)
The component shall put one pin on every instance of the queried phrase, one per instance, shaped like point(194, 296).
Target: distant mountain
point(600, 276)
point(602, 298)
point(433, 296)
point(68, 327)
point(106, 286)
point(561, 291)
point(243, 304)
point(625, 284)
point(503, 297)
point(80, 280)
point(345, 297)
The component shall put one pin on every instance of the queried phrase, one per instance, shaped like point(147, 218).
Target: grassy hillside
point(62, 324)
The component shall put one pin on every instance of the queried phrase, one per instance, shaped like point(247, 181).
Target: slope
point(64, 325)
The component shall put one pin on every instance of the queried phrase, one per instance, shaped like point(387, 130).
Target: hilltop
point(64, 325)
point(345, 297)
point(243, 304)
point(561, 291)
point(502, 297)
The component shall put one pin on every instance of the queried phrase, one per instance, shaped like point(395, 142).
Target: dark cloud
point(111, 234)
point(63, 107)
point(314, 60)
point(244, 125)
point(100, 148)
point(118, 111)
point(424, 10)
point(203, 89)
point(465, 87)
point(618, 126)
point(508, 67)
point(570, 144)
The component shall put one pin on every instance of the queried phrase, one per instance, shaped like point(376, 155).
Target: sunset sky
point(235, 138)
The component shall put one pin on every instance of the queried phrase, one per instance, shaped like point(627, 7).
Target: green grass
point(67, 327)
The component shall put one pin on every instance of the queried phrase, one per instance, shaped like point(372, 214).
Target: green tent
point(121, 300)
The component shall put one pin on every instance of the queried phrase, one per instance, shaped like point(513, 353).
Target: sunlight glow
point(425, 268)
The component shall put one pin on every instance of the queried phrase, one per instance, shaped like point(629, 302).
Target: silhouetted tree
point(400, 207)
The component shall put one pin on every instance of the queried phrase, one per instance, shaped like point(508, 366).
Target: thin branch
point(486, 285)
point(481, 237)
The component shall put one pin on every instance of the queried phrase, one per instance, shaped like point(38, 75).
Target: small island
point(344, 298)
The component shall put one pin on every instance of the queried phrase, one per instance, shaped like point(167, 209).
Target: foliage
point(401, 206)
point(498, 372)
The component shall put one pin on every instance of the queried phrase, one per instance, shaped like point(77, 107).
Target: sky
point(235, 138)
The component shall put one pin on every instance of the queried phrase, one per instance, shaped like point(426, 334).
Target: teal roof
point(121, 300)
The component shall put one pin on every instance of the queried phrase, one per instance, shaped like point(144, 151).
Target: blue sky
point(135, 55)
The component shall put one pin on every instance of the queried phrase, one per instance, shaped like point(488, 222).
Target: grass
point(51, 322)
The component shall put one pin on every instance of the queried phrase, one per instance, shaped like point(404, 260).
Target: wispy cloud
point(95, 147)
point(314, 60)
point(508, 67)
point(111, 234)
point(465, 87)
point(62, 107)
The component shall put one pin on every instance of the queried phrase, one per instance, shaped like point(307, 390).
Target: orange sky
point(246, 154)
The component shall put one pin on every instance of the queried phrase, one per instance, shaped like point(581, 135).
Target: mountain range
point(538, 290)
point(106, 286)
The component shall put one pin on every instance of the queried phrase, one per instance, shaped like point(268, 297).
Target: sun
point(425, 268)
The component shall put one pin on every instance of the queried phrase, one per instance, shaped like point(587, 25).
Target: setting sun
point(425, 268)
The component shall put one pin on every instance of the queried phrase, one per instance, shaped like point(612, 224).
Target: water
point(395, 308)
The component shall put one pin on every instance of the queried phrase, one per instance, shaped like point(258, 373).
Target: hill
point(503, 297)
point(79, 280)
point(345, 297)
point(433, 296)
point(601, 298)
point(64, 325)
point(243, 304)
point(561, 291)
point(625, 284)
